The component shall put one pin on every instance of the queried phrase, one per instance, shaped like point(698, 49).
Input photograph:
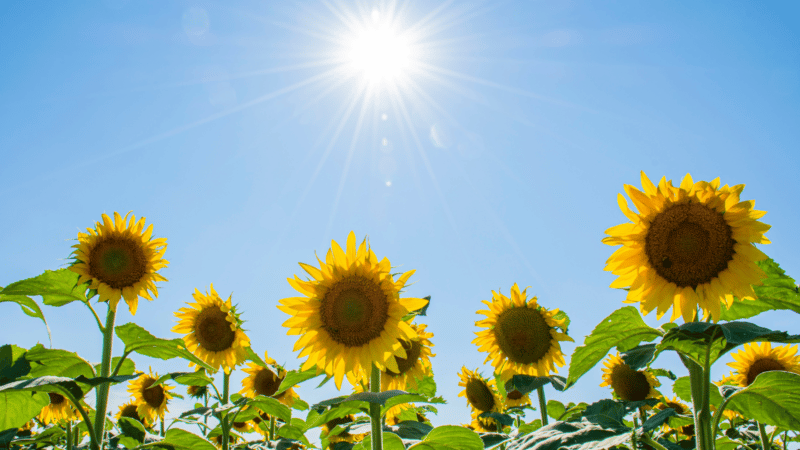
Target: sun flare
point(378, 51)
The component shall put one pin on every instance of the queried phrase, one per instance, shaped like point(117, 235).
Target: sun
point(378, 51)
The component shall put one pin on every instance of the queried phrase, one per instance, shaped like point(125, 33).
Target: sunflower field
point(686, 252)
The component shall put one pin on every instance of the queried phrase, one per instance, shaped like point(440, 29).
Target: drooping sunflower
point(197, 391)
point(130, 410)
point(213, 330)
point(266, 381)
point(59, 409)
point(350, 314)
point(120, 258)
point(243, 427)
point(481, 394)
point(151, 401)
point(344, 435)
point(516, 398)
point(687, 246)
point(756, 358)
point(681, 409)
point(404, 412)
point(628, 384)
point(484, 424)
point(521, 336)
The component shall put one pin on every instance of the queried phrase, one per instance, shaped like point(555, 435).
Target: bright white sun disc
point(379, 53)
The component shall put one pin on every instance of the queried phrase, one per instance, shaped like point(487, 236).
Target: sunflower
point(521, 336)
point(151, 401)
point(120, 259)
point(243, 427)
point(484, 424)
point(26, 430)
point(213, 330)
point(755, 359)
point(344, 435)
point(130, 410)
point(516, 398)
point(350, 314)
point(59, 409)
point(688, 246)
point(197, 391)
point(628, 384)
point(481, 394)
point(395, 414)
point(265, 381)
point(415, 366)
point(217, 439)
point(680, 408)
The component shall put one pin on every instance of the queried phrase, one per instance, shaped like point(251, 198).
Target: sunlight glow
point(378, 51)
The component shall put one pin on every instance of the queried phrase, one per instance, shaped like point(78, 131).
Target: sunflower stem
point(634, 445)
point(375, 410)
point(105, 370)
point(766, 443)
point(652, 442)
point(69, 435)
point(162, 426)
point(226, 378)
point(542, 404)
point(700, 378)
point(272, 428)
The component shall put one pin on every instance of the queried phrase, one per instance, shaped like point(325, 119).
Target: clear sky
point(490, 153)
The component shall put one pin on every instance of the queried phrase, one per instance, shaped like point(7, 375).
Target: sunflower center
point(154, 396)
point(762, 365)
point(677, 407)
point(523, 335)
point(266, 382)
point(514, 395)
point(212, 329)
point(56, 399)
point(413, 350)
point(689, 244)
point(630, 385)
point(130, 412)
point(479, 395)
point(354, 311)
point(117, 261)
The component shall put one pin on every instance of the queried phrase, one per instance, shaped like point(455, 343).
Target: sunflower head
point(120, 259)
point(681, 409)
point(415, 366)
point(350, 312)
point(687, 246)
point(481, 394)
point(757, 358)
point(265, 380)
point(344, 435)
point(197, 391)
point(520, 336)
point(628, 384)
point(58, 410)
point(213, 330)
point(151, 401)
point(131, 411)
point(484, 424)
point(515, 398)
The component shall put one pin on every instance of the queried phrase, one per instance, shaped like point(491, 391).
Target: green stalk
point(105, 371)
point(226, 378)
point(634, 445)
point(69, 435)
point(700, 377)
point(375, 410)
point(766, 444)
point(542, 404)
point(272, 428)
point(652, 442)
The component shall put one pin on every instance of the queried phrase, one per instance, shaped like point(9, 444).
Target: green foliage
point(294, 377)
point(410, 429)
point(657, 419)
point(379, 398)
point(60, 363)
point(777, 292)
point(682, 387)
point(526, 383)
point(503, 419)
point(390, 442)
point(640, 356)
point(56, 287)
point(132, 429)
point(128, 367)
point(449, 437)
point(623, 329)
point(773, 398)
point(571, 435)
point(13, 363)
point(139, 340)
point(18, 407)
point(177, 439)
point(29, 307)
point(198, 378)
point(272, 407)
point(58, 385)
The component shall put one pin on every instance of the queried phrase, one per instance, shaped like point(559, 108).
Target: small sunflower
point(130, 410)
point(217, 439)
point(481, 394)
point(344, 435)
point(688, 246)
point(680, 408)
point(394, 415)
point(266, 381)
point(484, 424)
point(26, 430)
point(415, 366)
point(119, 258)
point(197, 391)
point(628, 384)
point(755, 359)
point(213, 330)
point(243, 427)
point(350, 313)
point(151, 401)
point(516, 398)
point(521, 336)
point(59, 409)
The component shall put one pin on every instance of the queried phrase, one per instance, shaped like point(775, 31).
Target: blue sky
point(224, 125)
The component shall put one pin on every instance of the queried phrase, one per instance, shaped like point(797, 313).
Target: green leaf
point(410, 429)
point(128, 367)
point(292, 432)
point(664, 373)
point(504, 419)
point(13, 363)
point(778, 291)
point(611, 413)
point(555, 409)
point(409, 398)
point(178, 439)
point(272, 407)
point(571, 435)
point(375, 397)
point(561, 315)
point(773, 398)
point(29, 307)
point(18, 407)
point(426, 386)
point(682, 387)
point(449, 437)
point(657, 419)
point(58, 385)
point(623, 329)
point(640, 356)
point(95, 381)
point(294, 377)
point(527, 383)
point(56, 287)
point(198, 378)
point(390, 442)
point(60, 363)
point(132, 428)
point(139, 340)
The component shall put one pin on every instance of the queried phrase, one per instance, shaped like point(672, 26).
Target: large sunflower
point(687, 246)
point(213, 330)
point(151, 401)
point(350, 314)
point(59, 409)
point(120, 259)
point(266, 381)
point(755, 359)
point(521, 336)
point(628, 384)
point(481, 394)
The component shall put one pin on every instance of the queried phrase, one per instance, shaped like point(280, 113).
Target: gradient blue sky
point(221, 123)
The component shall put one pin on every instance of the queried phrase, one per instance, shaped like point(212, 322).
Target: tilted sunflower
point(151, 401)
point(213, 330)
point(404, 411)
point(628, 384)
point(757, 358)
point(130, 410)
point(197, 391)
point(687, 246)
point(60, 409)
point(516, 398)
point(680, 408)
point(266, 381)
point(484, 424)
point(243, 427)
point(120, 259)
point(481, 394)
point(344, 435)
point(413, 368)
point(521, 336)
point(350, 315)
